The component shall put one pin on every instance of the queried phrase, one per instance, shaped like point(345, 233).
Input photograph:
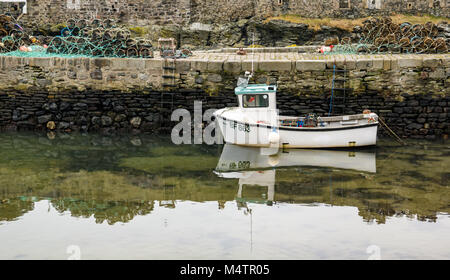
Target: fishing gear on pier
point(13, 35)
point(99, 39)
point(94, 38)
point(382, 35)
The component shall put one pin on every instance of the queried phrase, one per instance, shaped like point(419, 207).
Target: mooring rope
point(391, 131)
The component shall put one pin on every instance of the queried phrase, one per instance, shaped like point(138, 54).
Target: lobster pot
point(3, 32)
point(82, 24)
point(74, 50)
point(122, 35)
point(108, 52)
point(97, 23)
point(9, 43)
point(97, 34)
point(109, 35)
point(65, 32)
point(52, 49)
point(145, 52)
point(108, 23)
point(71, 23)
point(97, 52)
point(400, 38)
point(121, 52)
point(76, 31)
point(16, 34)
point(88, 49)
point(132, 52)
point(130, 43)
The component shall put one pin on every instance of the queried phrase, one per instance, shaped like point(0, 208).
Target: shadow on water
point(115, 179)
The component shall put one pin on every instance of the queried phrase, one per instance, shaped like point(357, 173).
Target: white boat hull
point(257, 135)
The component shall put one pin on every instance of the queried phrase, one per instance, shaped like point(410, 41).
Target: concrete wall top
point(234, 63)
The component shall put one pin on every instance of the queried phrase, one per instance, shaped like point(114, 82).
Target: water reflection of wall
point(135, 178)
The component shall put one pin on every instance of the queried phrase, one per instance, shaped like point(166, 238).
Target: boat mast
point(253, 51)
point(250, 75)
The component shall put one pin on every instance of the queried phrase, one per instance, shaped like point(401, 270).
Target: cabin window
point(255, 100)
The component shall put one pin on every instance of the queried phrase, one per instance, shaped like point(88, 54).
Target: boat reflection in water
point(257, 166)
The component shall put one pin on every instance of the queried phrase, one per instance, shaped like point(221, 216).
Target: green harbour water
point(142, 197)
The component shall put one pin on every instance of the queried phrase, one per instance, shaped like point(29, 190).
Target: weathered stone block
point(143, 76)
point(97, 74)
point(153, 64)
point(106, 121)
point(44, 62)
point(394, 64)
point(75, 61)
point(330, 63)
point(101, 62)
point(439, 73)
point(377, 64)
point(85, 62)
point(215, 65)
point(386, 64)
point(431, 62)
point(275, 65)
point(247, 65)
point(363, 64)
point(410, 62)
point(215, 78)
point(199, 65)
point(44, 119)
point(182, 66)
point(135, 64)
point(310, 65)
point(118, 64)
point(446, 61)
point(344, 64)
point(232, 66)
point(136, 122)
point(2, 62)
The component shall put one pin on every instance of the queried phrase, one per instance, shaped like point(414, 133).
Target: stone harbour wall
point(143, 13)
point(135, 95)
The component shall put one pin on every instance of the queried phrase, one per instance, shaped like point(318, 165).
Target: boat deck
point(328, 122)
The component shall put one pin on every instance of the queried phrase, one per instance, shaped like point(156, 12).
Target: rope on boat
point(391, 131)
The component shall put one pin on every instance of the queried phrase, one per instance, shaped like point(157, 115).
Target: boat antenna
point(253, 51)
point(247, 74)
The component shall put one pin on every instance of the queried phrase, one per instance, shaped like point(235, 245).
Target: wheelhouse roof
point(256, 88)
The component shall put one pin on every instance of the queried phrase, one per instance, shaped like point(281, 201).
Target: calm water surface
point(144, 198)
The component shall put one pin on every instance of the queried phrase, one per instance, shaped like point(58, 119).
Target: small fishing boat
point(256, 122)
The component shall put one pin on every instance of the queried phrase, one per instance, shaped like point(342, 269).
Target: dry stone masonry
point(121, 95)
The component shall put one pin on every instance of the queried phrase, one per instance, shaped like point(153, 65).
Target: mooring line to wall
point(391, 131)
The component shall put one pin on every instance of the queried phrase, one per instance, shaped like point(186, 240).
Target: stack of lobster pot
point(99, 39)
point(12, 35)
point(381, 35)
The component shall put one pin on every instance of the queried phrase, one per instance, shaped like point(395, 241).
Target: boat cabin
point(256, 96)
